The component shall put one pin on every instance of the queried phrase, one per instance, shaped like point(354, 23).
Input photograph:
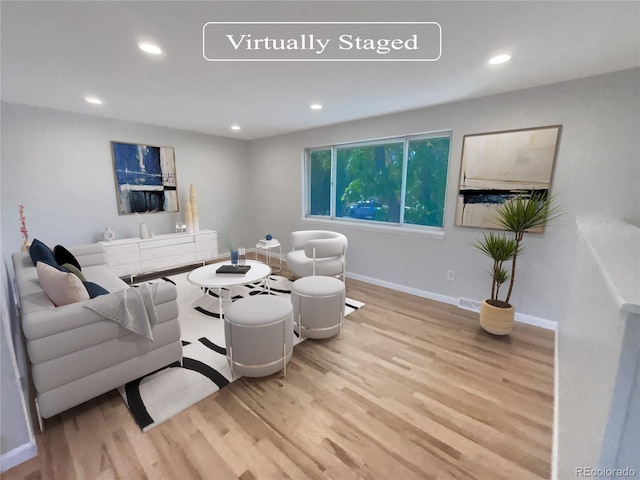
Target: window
point(320, 174)
point(397, 181)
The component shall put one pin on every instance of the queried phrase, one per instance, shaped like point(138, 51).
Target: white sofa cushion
point(62, 288)
point(104, 277)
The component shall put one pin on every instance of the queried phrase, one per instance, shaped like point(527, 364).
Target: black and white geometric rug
point(159, 396)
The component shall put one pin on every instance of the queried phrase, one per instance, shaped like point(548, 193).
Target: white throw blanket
point(132, 308)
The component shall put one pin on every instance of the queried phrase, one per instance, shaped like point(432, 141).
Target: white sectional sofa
point(76, 354)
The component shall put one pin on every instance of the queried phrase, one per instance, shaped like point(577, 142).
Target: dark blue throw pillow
point(39, 252)
point(62, 256)
point(94, 289)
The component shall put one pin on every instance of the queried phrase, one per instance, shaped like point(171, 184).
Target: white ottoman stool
point(318, 306)
point(259, 335)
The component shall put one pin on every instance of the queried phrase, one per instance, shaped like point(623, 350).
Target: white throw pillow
point(62, 288)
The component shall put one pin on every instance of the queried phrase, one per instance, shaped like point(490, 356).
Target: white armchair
point(317, 252)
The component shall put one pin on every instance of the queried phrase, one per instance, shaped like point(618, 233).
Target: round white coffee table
point(207, 277)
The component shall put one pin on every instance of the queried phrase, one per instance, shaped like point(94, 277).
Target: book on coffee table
point(238, 269)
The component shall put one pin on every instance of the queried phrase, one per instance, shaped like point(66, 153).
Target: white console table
point(136, 256)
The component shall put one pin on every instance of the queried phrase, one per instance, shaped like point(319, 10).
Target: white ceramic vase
point(195, 216)
point(188, 217)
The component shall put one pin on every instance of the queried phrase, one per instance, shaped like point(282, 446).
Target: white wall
point(597, 171)
point(60, 166)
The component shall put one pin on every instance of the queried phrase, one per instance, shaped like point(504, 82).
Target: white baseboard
point(402, 288)
point(537, 321)
point(18, 455)
point(464, 303)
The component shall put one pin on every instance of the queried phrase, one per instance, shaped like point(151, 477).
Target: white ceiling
point(54, 53)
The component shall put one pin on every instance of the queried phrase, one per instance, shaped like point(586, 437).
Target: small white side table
point(267, 247)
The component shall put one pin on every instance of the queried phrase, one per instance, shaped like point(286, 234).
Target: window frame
point(364, 224)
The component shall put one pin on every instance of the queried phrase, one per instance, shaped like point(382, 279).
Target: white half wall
point(599, 351)
point(597, 171)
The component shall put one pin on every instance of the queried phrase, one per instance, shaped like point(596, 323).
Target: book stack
point(241, 269)
point(267, 243)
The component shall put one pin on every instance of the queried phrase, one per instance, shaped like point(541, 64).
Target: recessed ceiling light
point(150, 48)
point(235, 127)
point(94, 100)
point(315, 106)
point(498, 59)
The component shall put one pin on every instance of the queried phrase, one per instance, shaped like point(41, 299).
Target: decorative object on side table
point(23, 229)
point(518, 215)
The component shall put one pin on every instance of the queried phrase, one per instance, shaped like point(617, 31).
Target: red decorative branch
point(23, 223)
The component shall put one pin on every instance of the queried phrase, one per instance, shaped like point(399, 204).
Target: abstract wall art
point(145, 178)
point(497, 166)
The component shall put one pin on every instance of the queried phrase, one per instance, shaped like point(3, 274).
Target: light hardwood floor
point(414, 390)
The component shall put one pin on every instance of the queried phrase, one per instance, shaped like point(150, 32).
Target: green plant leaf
point(497, 246)
point(501, 275)
point(526, 212)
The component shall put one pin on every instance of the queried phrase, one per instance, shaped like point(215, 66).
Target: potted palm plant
point(519, 215)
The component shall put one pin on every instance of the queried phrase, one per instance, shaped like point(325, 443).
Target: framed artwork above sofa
point(145, 178)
